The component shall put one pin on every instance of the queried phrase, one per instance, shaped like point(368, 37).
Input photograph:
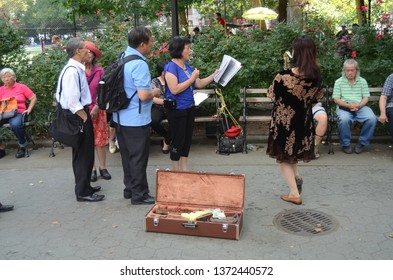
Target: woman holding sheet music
point(292, 128)
point(181, 80)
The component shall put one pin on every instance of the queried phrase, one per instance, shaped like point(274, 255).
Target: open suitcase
point(184, 201)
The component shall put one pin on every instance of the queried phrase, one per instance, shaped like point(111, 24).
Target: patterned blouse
point(292, 130)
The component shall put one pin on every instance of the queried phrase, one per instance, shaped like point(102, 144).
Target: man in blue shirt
point(134, 121)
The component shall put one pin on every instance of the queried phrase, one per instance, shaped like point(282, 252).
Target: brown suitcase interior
point(186, 192)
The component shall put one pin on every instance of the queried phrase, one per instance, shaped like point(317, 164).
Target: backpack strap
point(61, 83)
point(128, 59)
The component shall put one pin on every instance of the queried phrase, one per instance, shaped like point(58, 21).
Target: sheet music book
point(199, 97)
point(228, 68)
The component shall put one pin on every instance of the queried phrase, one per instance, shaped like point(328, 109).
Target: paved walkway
point(49, 224)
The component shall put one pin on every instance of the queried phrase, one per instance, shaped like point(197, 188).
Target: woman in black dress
point(292, 130)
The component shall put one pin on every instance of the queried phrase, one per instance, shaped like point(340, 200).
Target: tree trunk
point(183, 22)
point(282, 10)
point(255, 3)
point(294, 11)
point(361, 16)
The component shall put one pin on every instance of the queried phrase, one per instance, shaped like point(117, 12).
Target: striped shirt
point(351, 93)
point(388, 91)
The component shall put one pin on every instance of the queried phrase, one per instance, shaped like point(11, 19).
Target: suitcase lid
point(198, 188)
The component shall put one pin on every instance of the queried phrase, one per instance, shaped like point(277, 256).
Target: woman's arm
point(201, 83)
point(33, 101)
point(173, 82)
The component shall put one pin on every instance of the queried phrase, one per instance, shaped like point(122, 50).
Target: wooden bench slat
point(256, 100)
point(256, 118)
point(254, 91)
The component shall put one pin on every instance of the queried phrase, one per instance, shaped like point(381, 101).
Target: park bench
point(256, 97)
point(255, 100)
point(200, 116)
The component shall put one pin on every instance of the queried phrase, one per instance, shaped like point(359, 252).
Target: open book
point(228, 68)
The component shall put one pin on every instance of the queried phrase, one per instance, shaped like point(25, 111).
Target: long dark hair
point(305, 57)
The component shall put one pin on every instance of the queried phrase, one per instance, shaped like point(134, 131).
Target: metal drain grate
point(305, 222)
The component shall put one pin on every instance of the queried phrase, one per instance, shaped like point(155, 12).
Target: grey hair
point(351, 61)
point(7, 70)
point(74, 44)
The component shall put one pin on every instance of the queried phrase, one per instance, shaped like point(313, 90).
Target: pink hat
point(93, 49)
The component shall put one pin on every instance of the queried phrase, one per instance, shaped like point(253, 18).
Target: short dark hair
point(176, 46)
point(218, 14)
point(160, 67)
point(139, 35)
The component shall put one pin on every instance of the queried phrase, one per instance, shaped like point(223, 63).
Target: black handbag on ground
point(228, 145)
point(66, 128)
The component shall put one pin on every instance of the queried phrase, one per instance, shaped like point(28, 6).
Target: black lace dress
point(292, 130)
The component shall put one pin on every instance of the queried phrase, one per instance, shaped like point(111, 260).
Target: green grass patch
point(33, 50)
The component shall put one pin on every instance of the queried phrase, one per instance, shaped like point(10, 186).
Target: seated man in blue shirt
point(351, 95)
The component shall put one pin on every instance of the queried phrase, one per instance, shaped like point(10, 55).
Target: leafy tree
point(11, 37)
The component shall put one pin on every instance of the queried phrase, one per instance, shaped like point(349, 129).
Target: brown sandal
point(294, 200)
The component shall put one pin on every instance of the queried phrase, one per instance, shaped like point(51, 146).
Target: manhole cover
point(305, 222)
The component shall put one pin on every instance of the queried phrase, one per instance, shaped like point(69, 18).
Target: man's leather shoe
point(347, 149)
point(127, 195)
point(5, 208)
point(96, 189)
point(91, 198)
point(93, 176)
point(148, 200)
point(294, 200)
point(105, 174)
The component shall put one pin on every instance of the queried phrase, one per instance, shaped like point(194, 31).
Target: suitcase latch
point(156, 221)
point(189, 224)
point(225, 228)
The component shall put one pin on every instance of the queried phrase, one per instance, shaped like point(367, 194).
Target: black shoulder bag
point(66, 128)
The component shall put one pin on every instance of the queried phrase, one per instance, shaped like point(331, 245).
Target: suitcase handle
point(189, 224)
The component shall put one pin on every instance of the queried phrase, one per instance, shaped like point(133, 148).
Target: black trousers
point(181, 123)
point(134, 145)
point(158, 113)
point(83, 159)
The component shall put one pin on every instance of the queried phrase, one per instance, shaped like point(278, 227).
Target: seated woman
point(158, 112)
point(21, 93)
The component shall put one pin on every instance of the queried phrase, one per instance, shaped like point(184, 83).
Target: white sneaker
point(112, 147)
point(117, 144)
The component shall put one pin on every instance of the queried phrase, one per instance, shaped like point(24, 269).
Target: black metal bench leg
point(329, 138)
point(52, 153)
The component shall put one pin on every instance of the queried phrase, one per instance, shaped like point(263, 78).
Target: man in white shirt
point(74, 97)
